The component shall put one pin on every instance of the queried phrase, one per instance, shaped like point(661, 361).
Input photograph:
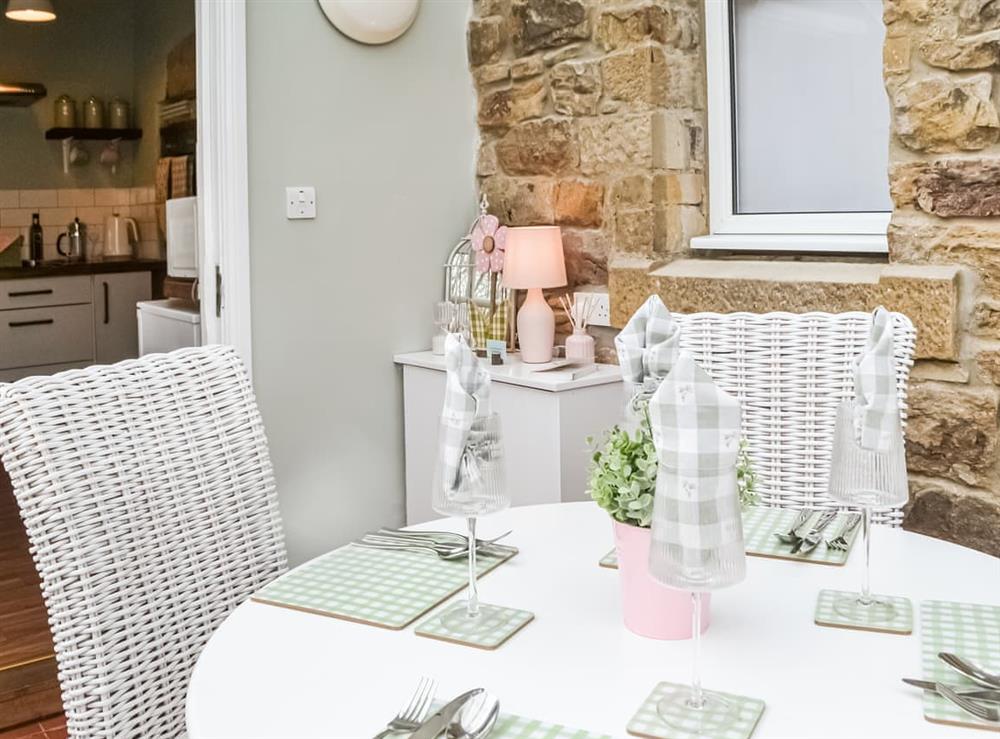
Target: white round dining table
point(277, 673)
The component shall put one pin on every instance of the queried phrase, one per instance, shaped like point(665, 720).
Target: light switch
point(300, 202)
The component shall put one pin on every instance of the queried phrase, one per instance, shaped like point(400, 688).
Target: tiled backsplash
point(57, 208)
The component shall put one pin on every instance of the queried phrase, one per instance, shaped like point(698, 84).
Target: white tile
point(143, 212)
point(94, 217)
point(117, 196)
point(77, 197)
point(9, 198)
point(60, 217)
point(149, 250)
point(15, 217)
point(39, 198)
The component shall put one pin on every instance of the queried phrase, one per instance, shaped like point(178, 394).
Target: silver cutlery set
point(442, 544)
point(804, 537)
point(982, 702)
point(471, 715)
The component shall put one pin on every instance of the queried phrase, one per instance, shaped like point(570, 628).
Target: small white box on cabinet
point(546, 423)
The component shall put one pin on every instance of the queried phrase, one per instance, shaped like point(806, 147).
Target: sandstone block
point(632, 191)
point(978, 15)
point(611, 143)
point(979, 51)
point(638, 76)
point(544, 146)
point(488, 74)
point(943, 113)
point(678, 140)
point(579, 203)
point(960, 187)
point(621, 27)
point(492, 7)
point(540, 24)
point(914, 10)
point(486, 39)
point(988, 363)
point(575, 87)
point(950, 512)
point(521, 201)
point(684, 188)
point(678, 25)
point(952, 432)
point(903, 182)
point(896, 54)
point(586, 255)
point(511, 105)
point(680, 224)
point(572, 51)
point(635, 231)
point(486, 162)
point(972, 246)
point(682, 80)
point(527, 67)
point(629, 284)
point(986, 319)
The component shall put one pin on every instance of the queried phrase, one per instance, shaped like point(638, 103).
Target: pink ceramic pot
point(651, 609)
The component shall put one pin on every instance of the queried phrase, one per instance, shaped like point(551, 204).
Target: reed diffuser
point(580, 344)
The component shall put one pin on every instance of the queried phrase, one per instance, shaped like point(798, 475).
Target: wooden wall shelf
point(94, 134)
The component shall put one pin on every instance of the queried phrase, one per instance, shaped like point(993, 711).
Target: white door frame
point(223, 202)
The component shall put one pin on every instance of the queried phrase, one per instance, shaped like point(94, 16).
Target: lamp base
point(536, 328)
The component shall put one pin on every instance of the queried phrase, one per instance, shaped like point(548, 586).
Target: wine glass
point(481, 488)
point(866, 478)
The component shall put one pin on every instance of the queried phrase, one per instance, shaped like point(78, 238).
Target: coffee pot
point(76, 239)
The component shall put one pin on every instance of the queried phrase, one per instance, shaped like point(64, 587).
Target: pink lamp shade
point(534, 260)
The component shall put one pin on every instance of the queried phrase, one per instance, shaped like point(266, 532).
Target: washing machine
point(165, 325)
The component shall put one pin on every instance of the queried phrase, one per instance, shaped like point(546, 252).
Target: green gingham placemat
point(760, 523)
point(827, 615)
point(509, 726)
point(968, 630)
point(492, 634)
point(647, 721)
point(373, 586)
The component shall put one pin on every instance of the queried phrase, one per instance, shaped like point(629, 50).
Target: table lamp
point(533, 260)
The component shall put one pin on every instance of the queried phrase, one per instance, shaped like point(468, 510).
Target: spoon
point(971, 671)
point(476, 719)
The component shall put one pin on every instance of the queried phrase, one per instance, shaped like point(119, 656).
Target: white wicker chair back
point(148, 496)
point(790, 371)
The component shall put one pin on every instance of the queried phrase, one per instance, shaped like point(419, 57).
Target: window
point(798, 126)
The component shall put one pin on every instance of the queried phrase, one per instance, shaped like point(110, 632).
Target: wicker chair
point(791, 371)
point(148, 496)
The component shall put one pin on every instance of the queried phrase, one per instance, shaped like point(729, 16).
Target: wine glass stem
point(472, 606)
point(697, 699)
point(866, 592)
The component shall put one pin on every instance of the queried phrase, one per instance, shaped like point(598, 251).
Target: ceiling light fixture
point(31, 11)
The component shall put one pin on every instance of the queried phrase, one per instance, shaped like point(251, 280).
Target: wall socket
point(300, 202)
point(601, 314)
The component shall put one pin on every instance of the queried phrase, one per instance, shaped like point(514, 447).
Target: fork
point(839, 542)
point(977, 709)
point(444, 538)
point(811, 540)
point(412, 714)
point(791, 536)
point(971, 671)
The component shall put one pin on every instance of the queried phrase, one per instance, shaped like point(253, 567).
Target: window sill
point(798, 243)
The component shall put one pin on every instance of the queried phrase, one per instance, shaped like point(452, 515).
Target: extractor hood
point(20, 94)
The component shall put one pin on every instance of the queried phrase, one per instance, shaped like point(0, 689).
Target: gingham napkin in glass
point(876, 409)
point(647, 348)
point(466, 395)
point(697, 528)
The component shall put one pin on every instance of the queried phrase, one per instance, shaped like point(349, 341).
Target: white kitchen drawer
point(32, 292)
point(12, 375)
point(57, 335)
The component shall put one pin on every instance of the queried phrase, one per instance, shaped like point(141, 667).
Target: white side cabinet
point(545, 425)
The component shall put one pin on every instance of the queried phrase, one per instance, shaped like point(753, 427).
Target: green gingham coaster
point(968, 630)
point(509, 726)
point(373, 586)
point(760, 523)
point(827, 615)
point(647, 721)
point(491, 635)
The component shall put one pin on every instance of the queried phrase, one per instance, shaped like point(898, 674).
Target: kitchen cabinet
point(116, 334)
point(53, 322)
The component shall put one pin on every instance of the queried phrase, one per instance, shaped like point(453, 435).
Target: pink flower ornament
point(489, 239)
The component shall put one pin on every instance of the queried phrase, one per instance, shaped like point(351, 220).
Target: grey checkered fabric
point(697, 529)
point(876, 411)
point(647, 348)
point(466, 396)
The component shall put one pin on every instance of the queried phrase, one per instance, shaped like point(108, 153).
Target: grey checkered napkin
point(697, 527)
point(876, 411)
point(466, 395)
point(647, 346)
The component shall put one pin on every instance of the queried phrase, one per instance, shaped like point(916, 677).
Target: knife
point(439, 720)
point(984, 694)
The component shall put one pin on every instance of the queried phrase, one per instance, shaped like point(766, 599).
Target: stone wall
point(591, 114)
point(941, 64)
point(591, 117)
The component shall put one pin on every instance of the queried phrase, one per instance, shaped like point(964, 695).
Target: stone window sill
point(800, 243)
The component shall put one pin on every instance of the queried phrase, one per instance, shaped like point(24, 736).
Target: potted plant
point(623, 482)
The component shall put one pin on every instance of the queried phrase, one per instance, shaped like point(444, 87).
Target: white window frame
point(784, 232)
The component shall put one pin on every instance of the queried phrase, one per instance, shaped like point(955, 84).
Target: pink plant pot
point(650, 609)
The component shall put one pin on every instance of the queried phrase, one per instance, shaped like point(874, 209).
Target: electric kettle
point(76, 236)
point(120, 236)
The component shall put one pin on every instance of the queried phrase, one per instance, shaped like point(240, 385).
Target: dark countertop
point(60, 268)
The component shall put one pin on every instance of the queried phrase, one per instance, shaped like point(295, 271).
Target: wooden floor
point(29, 689)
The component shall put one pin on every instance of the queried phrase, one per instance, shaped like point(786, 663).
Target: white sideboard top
point(516, 372)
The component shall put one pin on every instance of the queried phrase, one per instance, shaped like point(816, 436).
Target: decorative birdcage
point(490, 305)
